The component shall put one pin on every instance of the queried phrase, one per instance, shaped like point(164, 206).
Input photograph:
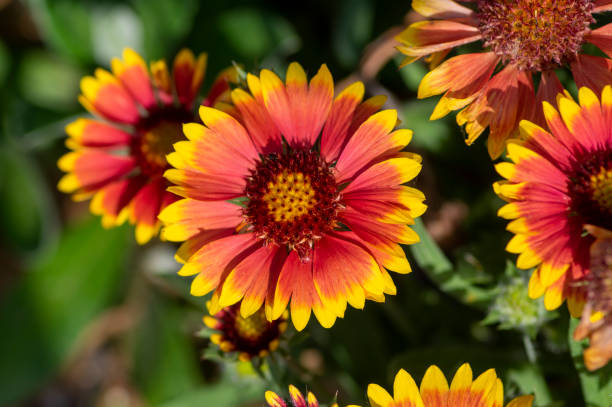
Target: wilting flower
point(249, 337)
point(486, 391)
point(596, 321)
point(523, 37)
point(119, 157)
point(300, 198)
point(297, 399)
point(559, 183)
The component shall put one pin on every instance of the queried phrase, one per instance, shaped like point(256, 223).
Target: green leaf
point(412, 74)
point(165, 23)
point(42, 316)
point(458, 283)
point(429, 135)
point(352, 30)
point(21, 202)
point(65, 25)
point(165, 362)
point(529, 379)
point(226, 394)
point(254, 34)
point(597, 385)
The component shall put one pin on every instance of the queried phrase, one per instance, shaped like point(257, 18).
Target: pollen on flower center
point(157, 142)
point(590, 189)
point(156, 135)
point(534, 34)
point(293, 200)
point(253, 327)
point(602, 189)
point(289, 196)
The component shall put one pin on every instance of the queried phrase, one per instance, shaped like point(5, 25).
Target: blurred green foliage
point(62, 273)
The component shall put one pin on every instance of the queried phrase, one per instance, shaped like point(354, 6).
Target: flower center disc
point(590, 189)
point(253, 327)
point(534, 34)
point(602, 189)
point(293, 200)
point(155, 136)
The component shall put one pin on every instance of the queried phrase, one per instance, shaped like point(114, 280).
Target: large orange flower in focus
point(299, 198)
point(522, 38)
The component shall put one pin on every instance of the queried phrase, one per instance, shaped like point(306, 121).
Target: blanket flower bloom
point(119, 157)
point(522, 37)
point(249, 337)
point(486, 391)
point(558, 183)
point(296, 398)
point(298, 197)
point(596, 320)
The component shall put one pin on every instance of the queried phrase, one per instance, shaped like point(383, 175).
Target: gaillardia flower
point(249, 337)
point(559, 182)
point(486, 391)
point(298, 198)
point(596, 320)
point(523, 37)
point(119, 157)
point(297, 399)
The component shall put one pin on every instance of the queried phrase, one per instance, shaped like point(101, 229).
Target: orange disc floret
point(558, 183)
point(118, 158)
point(494, 89)
point(296, 199)
point(486, 391)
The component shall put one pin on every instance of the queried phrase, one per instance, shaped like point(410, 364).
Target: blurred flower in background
point(524, 37)
point(272, 214)
point(119, 161)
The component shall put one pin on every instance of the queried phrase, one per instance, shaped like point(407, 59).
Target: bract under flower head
point(119, 158)
point(558, 184)
point(522, 38)
point(297, 198)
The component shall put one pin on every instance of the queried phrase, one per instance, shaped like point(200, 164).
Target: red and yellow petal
point(220, 89)
point(372, 140)
point(452, 75)
point(211, 261)
point(427, 37)
point(144, 209)
point(188, 73)
point(105, 95)
point(255, 118)
point(188, 217)
point(248, 280)
point(95, 134)
point(335, 133)
point(442, 9)
point(592, 72)
point(343, 272)
point(434, 388)
point(90, 170)
point(133, 74)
